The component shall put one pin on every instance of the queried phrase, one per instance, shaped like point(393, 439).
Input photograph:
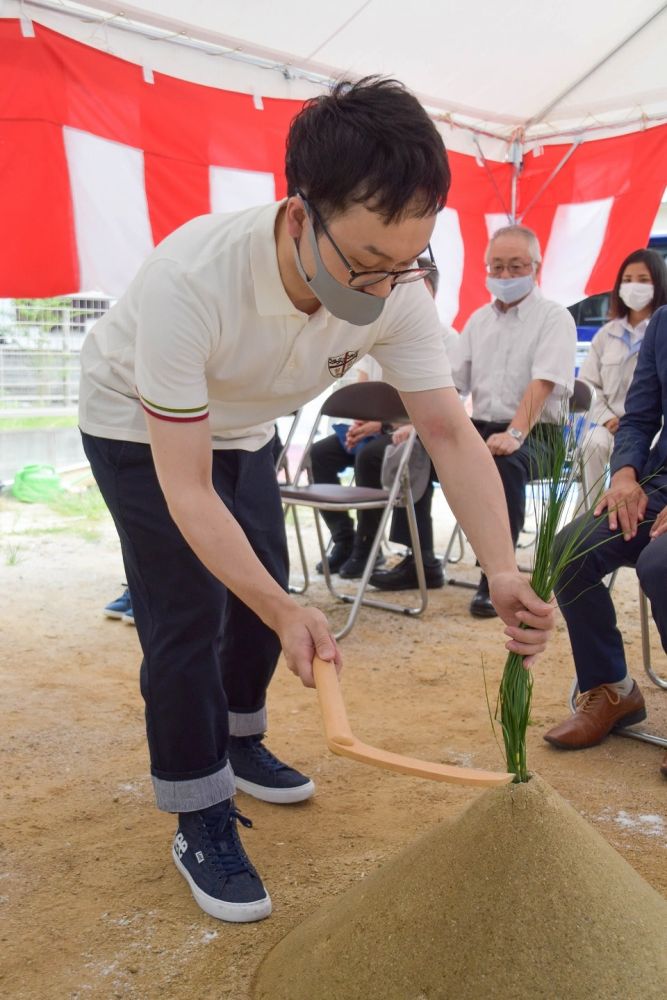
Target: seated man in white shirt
point(516, 357)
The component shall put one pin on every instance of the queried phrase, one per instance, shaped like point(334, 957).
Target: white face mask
point(636, 294)
point(510, 289)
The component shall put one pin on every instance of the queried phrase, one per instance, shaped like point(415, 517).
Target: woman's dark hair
point(369, 143)
point(656, 267)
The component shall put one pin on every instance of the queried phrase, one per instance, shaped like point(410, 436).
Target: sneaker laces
point(589, 699)
point(263, 755)
point(228, 852)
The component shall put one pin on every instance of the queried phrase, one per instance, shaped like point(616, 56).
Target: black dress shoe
point(353, 568)
point(481, 606)
point(340, 552)
point(404, 575)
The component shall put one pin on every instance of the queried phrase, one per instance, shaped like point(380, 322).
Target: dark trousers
point(515, 471)
point(400, 530)
point(584, 600)
point(328, 459)
point(519, 468)
point(207, 658)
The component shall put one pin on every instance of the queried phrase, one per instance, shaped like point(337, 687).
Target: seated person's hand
point(612, 424)
point(518, 605)
point(659, 526)
point(625, 501)
point(361, 429)
point(401, 434)
point(502, 444)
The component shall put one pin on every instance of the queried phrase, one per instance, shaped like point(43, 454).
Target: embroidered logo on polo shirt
point(342, 363)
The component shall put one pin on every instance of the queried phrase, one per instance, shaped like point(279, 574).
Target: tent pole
point(491, 177)
point(516, 159)
point(557, 169)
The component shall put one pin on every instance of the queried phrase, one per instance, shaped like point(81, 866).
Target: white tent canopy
point(543, 72)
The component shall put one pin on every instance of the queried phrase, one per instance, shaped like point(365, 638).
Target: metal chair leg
point(646, 644)
point(359, 600)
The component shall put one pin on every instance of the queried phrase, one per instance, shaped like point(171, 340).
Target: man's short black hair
point(368, 143)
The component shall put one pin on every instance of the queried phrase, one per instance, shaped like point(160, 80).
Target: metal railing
point(40, 342)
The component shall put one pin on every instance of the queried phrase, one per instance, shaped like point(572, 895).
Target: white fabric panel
point(495, 221)
point(447, 246)
point(574, 245)
point(233, 190)
point(113, 231)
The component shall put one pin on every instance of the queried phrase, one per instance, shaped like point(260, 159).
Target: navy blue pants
point(587, 605)
point(328, 458)
point(516, 471)
point(207, 658)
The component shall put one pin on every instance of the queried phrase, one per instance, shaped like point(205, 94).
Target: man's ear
point(295, 216)
point(538, 268)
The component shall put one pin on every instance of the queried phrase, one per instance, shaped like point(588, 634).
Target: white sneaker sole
point(233, 913)
point(278, 796)
point(126, 620)
point(113, 614)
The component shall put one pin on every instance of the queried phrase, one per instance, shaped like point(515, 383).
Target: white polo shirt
point(500, 353)
point(207, 329)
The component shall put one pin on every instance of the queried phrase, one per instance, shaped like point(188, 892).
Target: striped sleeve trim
point(174, 414)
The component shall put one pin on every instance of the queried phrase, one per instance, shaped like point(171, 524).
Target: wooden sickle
point(342, 741)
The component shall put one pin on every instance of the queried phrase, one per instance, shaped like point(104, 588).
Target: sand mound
point(518, 898)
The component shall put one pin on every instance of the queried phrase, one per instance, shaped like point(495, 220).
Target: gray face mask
point(343, 302)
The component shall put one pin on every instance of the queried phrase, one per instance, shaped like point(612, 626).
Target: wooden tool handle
point(343, 742)
point(336, 726)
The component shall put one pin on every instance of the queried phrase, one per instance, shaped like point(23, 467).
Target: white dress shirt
point(499, 353)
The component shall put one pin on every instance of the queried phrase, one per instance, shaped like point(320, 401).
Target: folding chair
point(282, 466)
point(632, 732)
point(580, 407)
point(361, 401)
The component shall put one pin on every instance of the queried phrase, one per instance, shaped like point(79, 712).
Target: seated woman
point(640, 288)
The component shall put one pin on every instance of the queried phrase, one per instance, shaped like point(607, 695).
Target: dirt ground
point(91, 905)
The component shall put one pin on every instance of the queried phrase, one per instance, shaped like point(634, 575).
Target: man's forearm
point(219, 542)
point(474, 491)
point(532, 403)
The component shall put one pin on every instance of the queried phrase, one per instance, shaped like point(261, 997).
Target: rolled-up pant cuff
point(247, 723)
point(194, 793)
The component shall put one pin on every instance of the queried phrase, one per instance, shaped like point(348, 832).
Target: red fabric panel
point(50, 81)
point(473, 195)
point(37, 243)
point(176, 192)
point(183, 128)
point(631, 169)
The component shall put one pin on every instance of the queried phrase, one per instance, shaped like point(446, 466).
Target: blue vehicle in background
point(592, 313)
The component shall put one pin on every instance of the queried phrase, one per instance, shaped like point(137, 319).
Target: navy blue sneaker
point(119, 607)
point(208, 853)
point(259, 773)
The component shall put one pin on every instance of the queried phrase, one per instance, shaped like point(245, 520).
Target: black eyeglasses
point(363, 279)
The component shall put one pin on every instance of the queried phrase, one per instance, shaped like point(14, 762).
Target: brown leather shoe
point(663, 767)
point(598, 712)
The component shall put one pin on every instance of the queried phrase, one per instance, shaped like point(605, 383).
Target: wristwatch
point(515, 433)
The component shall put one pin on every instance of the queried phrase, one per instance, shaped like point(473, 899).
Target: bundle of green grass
point(517, 898)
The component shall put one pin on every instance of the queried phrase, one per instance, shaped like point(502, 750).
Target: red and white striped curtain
point(100, 160)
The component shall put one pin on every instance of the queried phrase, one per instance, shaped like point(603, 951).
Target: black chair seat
point(347, 496)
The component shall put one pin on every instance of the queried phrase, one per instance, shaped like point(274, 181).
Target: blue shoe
point(259, 773)
point(128, 617)
point(208, 853)
point(119, 607)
